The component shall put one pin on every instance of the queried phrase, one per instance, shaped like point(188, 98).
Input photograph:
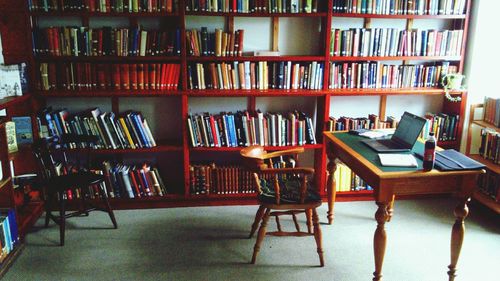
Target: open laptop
point(404, 137)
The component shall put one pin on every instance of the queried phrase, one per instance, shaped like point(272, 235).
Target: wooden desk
point(387, 182)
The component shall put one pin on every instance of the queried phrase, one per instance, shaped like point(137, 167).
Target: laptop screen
point(408, 129)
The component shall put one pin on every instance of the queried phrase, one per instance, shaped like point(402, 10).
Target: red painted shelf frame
point(323, 96)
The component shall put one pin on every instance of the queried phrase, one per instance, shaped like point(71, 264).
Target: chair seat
point(80, 179)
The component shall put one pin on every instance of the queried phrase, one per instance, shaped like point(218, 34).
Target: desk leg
point(330, 185)
point(457, 236)
point(380, 239)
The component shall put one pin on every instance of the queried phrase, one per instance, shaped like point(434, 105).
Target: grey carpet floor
point(209, 243)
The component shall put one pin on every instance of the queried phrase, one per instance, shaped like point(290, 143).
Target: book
point(10, 131)
point(24, 131)
point(10, 81)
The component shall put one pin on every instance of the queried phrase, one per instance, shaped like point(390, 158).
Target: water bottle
point(429, 152)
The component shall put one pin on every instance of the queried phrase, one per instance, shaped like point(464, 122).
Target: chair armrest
point(306, 171)
point(283, 152)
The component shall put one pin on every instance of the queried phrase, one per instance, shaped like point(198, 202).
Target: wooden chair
point(57, 178)
point(305, 200)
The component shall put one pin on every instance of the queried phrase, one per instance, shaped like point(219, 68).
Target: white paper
point(397, 160)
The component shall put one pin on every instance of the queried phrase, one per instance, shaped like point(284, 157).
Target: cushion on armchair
point(290, 191)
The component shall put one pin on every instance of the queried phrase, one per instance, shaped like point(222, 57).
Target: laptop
point(404, 137)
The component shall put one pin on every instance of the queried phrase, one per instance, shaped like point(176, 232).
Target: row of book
point(490, 145)
point(217, 43)
point(347, 180)
point(104, 6)
point(244, 129)
point(378, 75)
point(383, 42)
point(344, 123)
point(253, 6)
point(261, 75)
point(214, 179)
point(129, 130)
point(489, 184)
point(400, 7)
point(444, 126)
point(491, 111)
point(90, 76)
point(133, 181)
point(9, 232)
point(105, 41)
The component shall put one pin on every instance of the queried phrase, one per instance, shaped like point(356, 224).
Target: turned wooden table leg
point(330, 186)
point(380, 239)
point(457, 236)
point(390, 208)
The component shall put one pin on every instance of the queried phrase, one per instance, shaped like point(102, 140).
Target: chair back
point(51, 157)
point(281, 181)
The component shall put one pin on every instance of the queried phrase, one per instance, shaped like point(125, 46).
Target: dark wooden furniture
point(492, 168)
point(260, 162)
point(389, 182)
point(58, 179)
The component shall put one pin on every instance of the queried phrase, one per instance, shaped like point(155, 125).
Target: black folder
point(451, 160)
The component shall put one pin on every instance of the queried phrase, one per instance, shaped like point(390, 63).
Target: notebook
point(404, 137)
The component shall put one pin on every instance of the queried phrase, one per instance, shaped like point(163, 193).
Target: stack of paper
point(397, 160)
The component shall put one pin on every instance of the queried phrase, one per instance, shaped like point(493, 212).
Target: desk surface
point(364, 160)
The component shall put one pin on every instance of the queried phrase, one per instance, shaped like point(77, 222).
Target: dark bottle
point(429, 152)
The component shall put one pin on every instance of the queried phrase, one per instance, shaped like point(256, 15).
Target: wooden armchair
point(285, 190)
point(58, 179)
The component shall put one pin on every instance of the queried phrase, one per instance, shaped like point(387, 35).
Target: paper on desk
point(375, 134)
point(397, 160)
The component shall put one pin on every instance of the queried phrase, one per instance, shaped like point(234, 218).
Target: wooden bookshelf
point(324, 98)
point(492, 168)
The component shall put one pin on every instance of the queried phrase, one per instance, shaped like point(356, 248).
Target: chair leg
point(278, 224)
point(260, 236)
point(83, 200)
point(258, 218)
point(309, 220)
point(108, 207)
point(62, 218)
point(297, 226)
point(48, 209)
point(318, 237)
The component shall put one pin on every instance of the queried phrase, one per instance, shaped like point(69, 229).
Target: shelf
point(254, 92)
point(487, 201)
point(28, 215)
point(378, 58)
point(379, 92)
point(4, 182)
point(159, 148)
point(270, 148)
point(9, 260)
point(99, 14)
point(255, 58)
point(117, 59)
point(485, 124)
point(495, 168)
point(11, 101)
point(356, 15)
point(255, 14)
point(111, 93)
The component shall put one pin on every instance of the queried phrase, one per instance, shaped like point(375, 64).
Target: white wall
point(482, 59)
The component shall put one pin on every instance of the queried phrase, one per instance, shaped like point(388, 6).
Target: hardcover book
point(24, 132)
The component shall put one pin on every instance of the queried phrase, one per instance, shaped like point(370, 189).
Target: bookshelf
point(177, 149)
point(488, 181)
